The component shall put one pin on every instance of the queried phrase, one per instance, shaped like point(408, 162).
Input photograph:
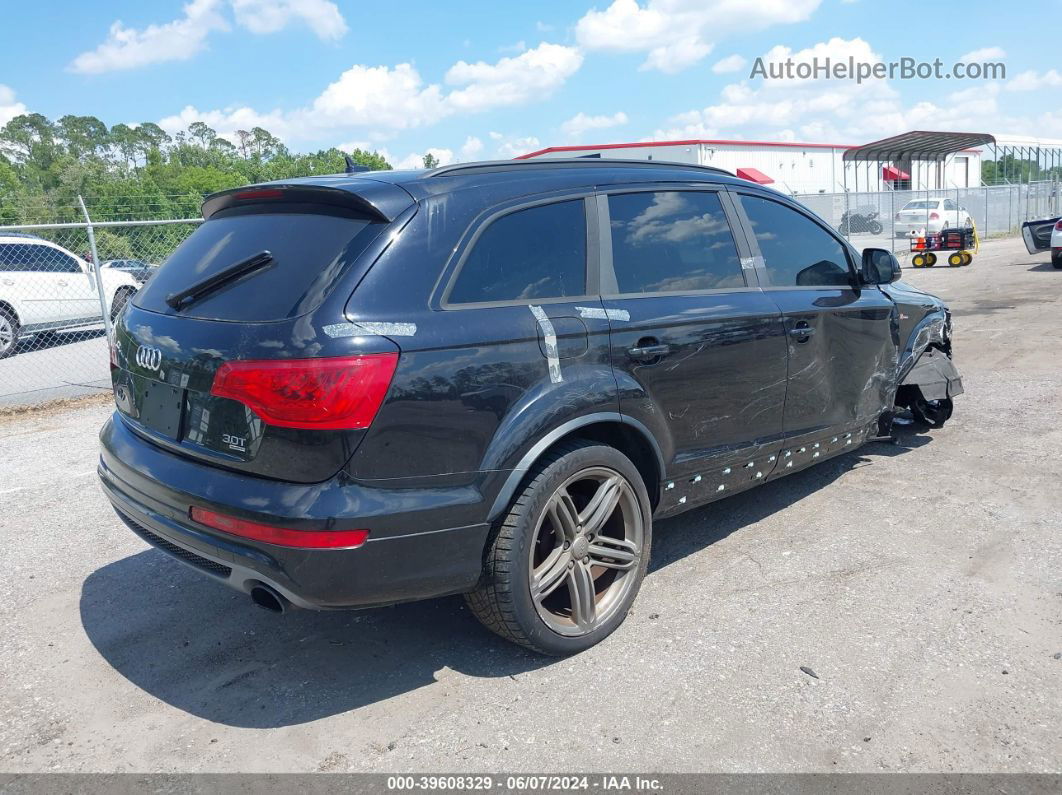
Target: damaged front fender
point(935, 375)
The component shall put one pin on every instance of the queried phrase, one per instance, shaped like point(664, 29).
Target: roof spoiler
point(295, 194)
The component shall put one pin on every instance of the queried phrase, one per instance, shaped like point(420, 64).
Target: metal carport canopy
point(917, 145)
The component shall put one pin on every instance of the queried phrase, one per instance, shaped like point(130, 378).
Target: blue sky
point(479, 80)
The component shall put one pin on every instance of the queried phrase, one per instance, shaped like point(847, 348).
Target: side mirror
point(879, 266)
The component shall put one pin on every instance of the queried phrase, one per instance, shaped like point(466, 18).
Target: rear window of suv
point(530, 254)
point(310, 252)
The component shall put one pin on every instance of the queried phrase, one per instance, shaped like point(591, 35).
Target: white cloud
point(580, 123)
point(675, 34)
point(815, 110)
point(835, 111)
point(676, 56)
point(415, 160)
point(9, 108)
point(471, 147)
point(732, 63)
point(1033, 81)
point(128, 48)
point(228, 120)
point(377, 96)
point(513, 147)
point(381, 100)
point(533, 74)
point(179, 40)
point(350, 146)
point(269, 16)
point(984, 54)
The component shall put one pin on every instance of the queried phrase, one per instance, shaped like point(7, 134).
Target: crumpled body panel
point(935, 375)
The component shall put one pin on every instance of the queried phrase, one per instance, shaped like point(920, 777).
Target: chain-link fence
point(60, 285)
point(887, 219)
point(57, 296)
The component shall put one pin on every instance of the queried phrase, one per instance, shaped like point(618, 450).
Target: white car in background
point(44, 287)
point(930, 216)
point(1056, 244)
point(1043, 236)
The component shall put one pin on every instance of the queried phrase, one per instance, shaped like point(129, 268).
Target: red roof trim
point(692, 142)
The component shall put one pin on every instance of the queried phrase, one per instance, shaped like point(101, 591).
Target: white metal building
point(792, 167)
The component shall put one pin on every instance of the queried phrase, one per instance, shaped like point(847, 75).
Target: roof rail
point(565, 162)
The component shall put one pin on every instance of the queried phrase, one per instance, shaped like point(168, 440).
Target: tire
point(967, 258)
point(955, 260)
point(875, 227)
point(933, 413)
point(918, 260)
point(1056, 260)
point(931, 260)
point(537, 543)
point(9, 332)
point(121, 298)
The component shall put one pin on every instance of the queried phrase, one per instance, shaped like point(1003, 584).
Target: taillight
point(281, 536)
point(1058, 225)
point(934, 217)
point(342, 392)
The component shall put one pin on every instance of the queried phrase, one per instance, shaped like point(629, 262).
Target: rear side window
point(797, 252)
point(10, 257)
point(36, 259)
point(527, 255)
point(310, 253)
point(672, 241)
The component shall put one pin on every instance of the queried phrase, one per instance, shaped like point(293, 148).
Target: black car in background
point(491, 378)
point(138, 269)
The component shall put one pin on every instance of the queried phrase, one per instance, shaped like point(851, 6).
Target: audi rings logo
point(149, 358)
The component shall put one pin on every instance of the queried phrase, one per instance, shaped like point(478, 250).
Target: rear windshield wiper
point(189, 295)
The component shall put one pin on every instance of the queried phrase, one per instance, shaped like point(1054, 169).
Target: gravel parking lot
point(56, 366)
point(921, 584)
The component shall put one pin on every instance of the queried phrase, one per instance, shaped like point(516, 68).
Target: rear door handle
point(802, 331)
point(647, 353)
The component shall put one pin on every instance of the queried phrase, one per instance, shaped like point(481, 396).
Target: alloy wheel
point(586, 551)
point(7, 334)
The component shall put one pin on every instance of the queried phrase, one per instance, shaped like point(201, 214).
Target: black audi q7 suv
point(490, 378)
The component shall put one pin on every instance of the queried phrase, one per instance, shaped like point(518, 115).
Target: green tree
point(202, 134)
point(134, 173)
point(431, 161)
point(82, 135)
point(373, 160)
point(112, 245)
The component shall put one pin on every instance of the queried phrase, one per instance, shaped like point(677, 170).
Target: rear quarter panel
point(473, 389)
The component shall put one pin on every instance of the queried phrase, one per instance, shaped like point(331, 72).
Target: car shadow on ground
point(1046, 266)
point(205, 649)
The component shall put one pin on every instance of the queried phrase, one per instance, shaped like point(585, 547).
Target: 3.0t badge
point(149, 358)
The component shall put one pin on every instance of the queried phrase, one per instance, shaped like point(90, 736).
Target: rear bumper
point(914, 228)
point(418, 548)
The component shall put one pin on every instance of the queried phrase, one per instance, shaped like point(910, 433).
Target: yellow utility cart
point(959, 245)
